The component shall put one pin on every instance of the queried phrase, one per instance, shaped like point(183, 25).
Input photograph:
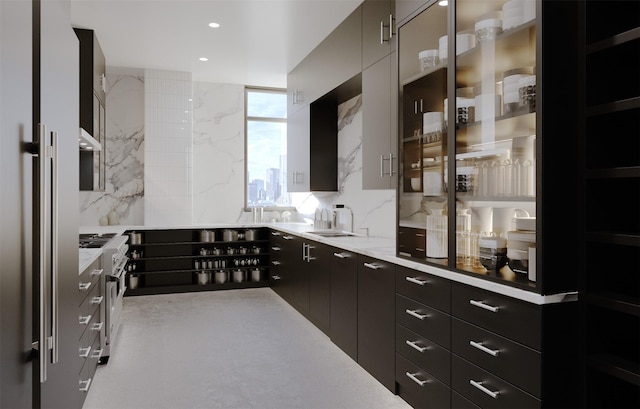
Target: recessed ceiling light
point(214, 25)
point(203, 59)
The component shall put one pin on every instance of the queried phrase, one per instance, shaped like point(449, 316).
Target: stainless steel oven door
point(115, 284)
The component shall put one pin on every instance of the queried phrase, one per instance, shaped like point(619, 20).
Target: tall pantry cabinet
point(488, 106)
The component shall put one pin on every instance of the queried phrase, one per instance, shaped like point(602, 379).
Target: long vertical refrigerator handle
point(54, 247)
point(42, 250)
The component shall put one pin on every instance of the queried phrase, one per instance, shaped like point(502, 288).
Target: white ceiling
point(258, 43)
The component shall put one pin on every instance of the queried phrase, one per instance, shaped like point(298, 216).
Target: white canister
point(504, 219)
point(428, 59)
point(482, 219)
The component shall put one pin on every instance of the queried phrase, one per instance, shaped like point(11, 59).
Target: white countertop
point(378, 247)
point(86, 257)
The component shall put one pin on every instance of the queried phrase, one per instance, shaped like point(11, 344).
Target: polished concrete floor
point(228, 349)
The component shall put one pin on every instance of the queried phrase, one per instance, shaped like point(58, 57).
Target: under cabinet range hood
point(88, 142)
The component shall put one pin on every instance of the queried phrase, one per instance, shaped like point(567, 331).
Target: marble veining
point(122, 200)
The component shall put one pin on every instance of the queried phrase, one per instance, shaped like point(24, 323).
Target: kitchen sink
point(333, 233)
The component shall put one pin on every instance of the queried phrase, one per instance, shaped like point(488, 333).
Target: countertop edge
point(382, 248)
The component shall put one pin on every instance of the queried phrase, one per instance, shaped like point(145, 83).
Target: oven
point(114, 261)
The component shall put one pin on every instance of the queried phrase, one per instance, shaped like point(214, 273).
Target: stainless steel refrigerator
point(39, 328)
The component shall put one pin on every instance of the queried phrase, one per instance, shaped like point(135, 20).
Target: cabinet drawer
point(511, 361)
point(90, 305)
point(506, 316)
point(419, 388)
point(460, 402)
point(424, 353)
point(424, 288)
point(88, 279)
point(487, 390)
point(428, 322)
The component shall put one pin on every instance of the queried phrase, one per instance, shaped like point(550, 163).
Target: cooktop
point(94, 240)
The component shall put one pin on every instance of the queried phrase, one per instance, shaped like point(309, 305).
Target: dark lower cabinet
point(376, 319)
point(317, 257)
point(344, 301)
point(418, 387)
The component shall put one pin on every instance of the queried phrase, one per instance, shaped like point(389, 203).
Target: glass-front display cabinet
point(471, 135)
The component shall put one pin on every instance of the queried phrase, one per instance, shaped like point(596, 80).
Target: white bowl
point(415, 184)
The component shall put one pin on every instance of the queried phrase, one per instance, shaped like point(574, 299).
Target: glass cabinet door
point(495, 138)
point(422, 185)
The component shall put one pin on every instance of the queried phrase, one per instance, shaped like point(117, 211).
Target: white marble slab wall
point(122, 200)
point(168, 148)
point(374, 210)
point(218, 153)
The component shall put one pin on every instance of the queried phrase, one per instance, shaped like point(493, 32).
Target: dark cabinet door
point(343, 266)
point(318, 258)
point(298, 275)
point(376, 319)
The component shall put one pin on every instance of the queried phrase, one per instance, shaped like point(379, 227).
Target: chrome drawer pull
point(416, 280)
point(483, 305)
point(85, 320)
point(372, 266)
point(275, 233)
point(478, 385)
point(419, 249)
point(415, 346)
point(97, 354)
point(275, 248)
point(84, 385)
point(97, 272)
point(413, 378)
point(287, 237)
point(484, 348)
point(84, 286)
point(97, 300)
point(414, 313)
point(84, 352)
point(97, 326)
point(275, 262)
point(275, 277)
point(341, 255)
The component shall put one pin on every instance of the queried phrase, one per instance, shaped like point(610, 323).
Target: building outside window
point(266, 148)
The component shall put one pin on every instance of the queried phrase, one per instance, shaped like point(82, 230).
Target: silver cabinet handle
point(84, 385)
point(419, 249)
point(275, 248)
point(54, 248)
point(84, 352)
point(483, 305)
point(414, 313)
point(276, 277)
point(287, 237)
point(382, 40)
point(415, 346)
point(275, 263)
point(483, 348)
point(42, 344)
point(478, 385)
point(391, 25)
point(97, 326)
point(97, 272)
point(416, 280)
point(381, 166)
point(97, 300)
point(415, 379)
point(275, 233)
point(341, 255)
point(84, 320)
point(84, 286)
point(372, 266)
point(97, 354)
point(391, 171)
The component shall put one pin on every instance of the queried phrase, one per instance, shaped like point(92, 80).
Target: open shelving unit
point(611, 236)
point(171, 261)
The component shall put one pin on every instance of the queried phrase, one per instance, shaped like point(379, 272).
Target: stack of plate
point(511, 87)
point(432, 126)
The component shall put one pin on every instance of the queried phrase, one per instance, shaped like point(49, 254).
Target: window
point(266, 148)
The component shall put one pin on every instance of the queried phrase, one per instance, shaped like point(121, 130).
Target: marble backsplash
point(122, 200)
